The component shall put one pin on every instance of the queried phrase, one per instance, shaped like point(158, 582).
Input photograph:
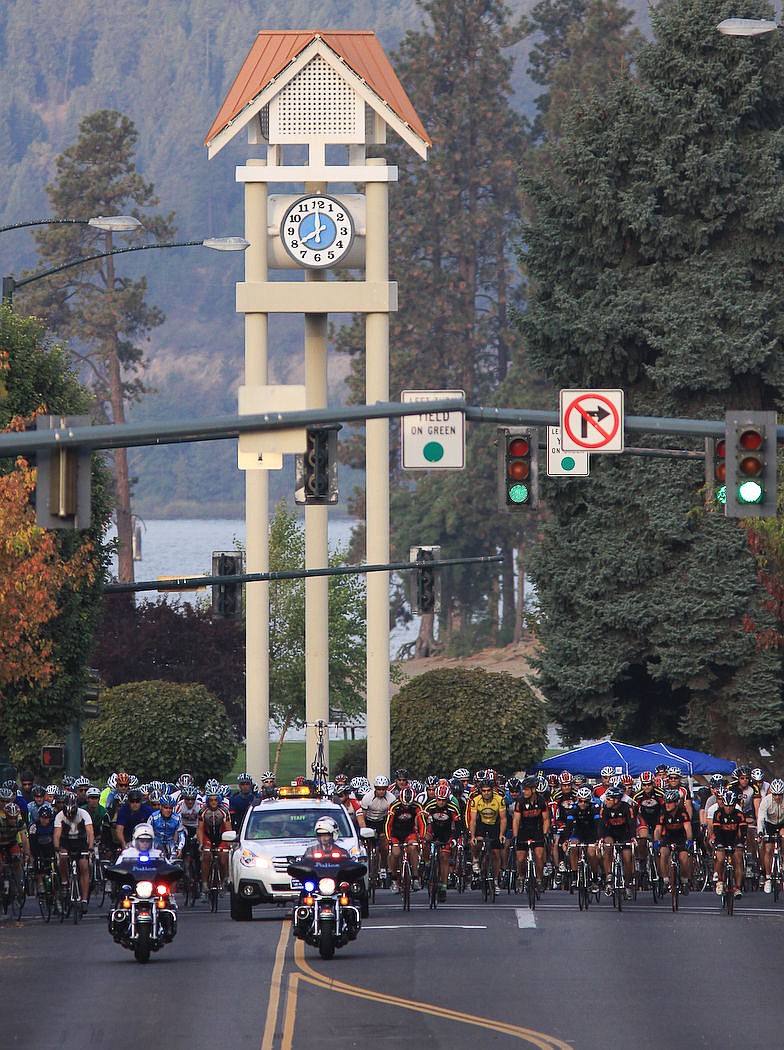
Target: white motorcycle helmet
point(143, 838)
point(326, 826)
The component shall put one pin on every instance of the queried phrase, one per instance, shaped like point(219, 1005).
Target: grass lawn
point(293, 762)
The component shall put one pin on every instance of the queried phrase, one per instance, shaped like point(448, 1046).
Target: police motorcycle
point(144, 915)
point(327, 915)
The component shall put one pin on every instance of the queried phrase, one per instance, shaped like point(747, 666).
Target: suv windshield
point(292, 823)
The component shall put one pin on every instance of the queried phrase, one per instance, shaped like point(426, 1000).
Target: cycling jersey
point(531, 827)
point(582, 823)
point(404, 822)
point(672, 827)
point(648, 806)
point(443, 822)
point(618, 822)
point(729, 827)
point(169, 833)
point(488, 811)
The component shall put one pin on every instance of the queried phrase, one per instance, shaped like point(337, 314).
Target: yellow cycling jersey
point(488, 811)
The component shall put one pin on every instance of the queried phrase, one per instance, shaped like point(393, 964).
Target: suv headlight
point(249, 859)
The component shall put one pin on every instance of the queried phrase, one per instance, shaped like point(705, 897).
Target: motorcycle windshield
point(343, 869)
point(132, 871)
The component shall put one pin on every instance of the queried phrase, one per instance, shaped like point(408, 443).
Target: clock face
point(317, 231)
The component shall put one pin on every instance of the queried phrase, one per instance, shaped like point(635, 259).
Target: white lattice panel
point(317, 105)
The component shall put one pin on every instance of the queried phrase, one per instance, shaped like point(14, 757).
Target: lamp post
point(220, 244)
point(746, 26)
point(114, 379)
point(106, 223)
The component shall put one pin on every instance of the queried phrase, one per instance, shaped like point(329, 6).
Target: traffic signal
point(53, 756)
point(716, 469)
point(751, 464)
point(425, 598)
point(227, 597)
point(316, 472)
point(518, 473)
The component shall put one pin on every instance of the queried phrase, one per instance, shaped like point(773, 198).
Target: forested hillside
point(167, 66)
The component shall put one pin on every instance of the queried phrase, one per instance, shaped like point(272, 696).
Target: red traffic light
point(720, 465)
point(519, 446)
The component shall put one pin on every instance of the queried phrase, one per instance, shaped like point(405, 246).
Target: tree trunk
point(283, 730)
point(425, 642)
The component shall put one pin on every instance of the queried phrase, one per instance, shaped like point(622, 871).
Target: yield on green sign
point(432, 440)
point(562, 464)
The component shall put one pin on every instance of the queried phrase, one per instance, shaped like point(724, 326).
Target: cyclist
point(170, 835)
point(14, 842)
point(375, 806)
point(73, 838)
point(131, 813)
point(727, 830)
point(188, 809)
point(648, 802)
point(582, 828)
point(606, 774)
point(41, 837)
point(401, 781)
point(673, 831)
point(487, 820)
point(617, 826)
point(405, 825)
point(240, 803)
point(562, 803)
point(443, 825)
point(213, 822)
point(531, 823)
point(353, 808)
point(99, 817)
point(770, 824)
point(38, 792)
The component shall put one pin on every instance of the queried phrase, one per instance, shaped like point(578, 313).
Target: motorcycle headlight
point(326, 886)
point(144, 889)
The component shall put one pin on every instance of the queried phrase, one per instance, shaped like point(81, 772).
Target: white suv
point(274, 833)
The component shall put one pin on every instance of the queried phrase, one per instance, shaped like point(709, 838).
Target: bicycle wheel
point(17, 896)
point(460, 871)
point(405, 885)
point(583, 896)
point(653, 880)
point(45, 903)
point(373, 867)
point(618, 886)
point(675, 885)
point(775, 878)
point(432, 879)
point(97, 883)
point(530, 885)
point(728, 897)
point(75, 896)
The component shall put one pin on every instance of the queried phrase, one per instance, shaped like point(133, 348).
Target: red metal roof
point(272, 51)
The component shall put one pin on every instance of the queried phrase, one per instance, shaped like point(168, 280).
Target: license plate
point(296, 884)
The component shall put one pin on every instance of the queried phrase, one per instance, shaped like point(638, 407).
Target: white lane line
point(426, 926)
point(526, 919)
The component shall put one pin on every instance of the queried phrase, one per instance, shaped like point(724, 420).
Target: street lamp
point(106, 223)
point(220, 244)
point(746, 26)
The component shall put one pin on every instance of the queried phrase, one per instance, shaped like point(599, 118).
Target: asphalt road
point(466, 975)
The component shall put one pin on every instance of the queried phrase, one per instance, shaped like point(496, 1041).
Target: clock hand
point(315, 233)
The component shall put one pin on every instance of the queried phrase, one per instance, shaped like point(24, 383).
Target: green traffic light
point(750, 492)
point(518, 493)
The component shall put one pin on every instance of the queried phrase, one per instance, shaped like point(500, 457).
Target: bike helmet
point(461, 773)
point(565, 778)
point(442, 791)
point(68, 781)
point(530, 782)
point(716, 781)
point(381, 782)
point(431, 781)
point(614, 792)
point(580, 778)
point(729, 798)
point(185, 780)
point(584, 794)
point(45, 810)
point(361, 785)
point(672, 796)
point(81, 782)
point(191, 791)
point(166, 800)
point(674, 771)
point(134, 795)
point(244, 778)
point(607, 771)
point(326, 826)
point(143, 837)
point(646, 777)
point(541, 784)
point(407, 796)
point(627, 780)
point(134, 780)
point(743, 771)
point(513, 784)
point(93, 792)
point(70, 806)
point(155, 797)
point(6, 795)
point(39, 791)
point(212, 787)
point(401, 774)
point(12, 811)
point(777, 786)
point(416, 786)
point(111, 781)
point(122, 778)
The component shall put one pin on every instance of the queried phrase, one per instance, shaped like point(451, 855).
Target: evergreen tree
point(452, 226)
point(655, 260)
point(103, 315)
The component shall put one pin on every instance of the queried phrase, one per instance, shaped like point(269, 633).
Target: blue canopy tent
point(698, 762)
point(624, 758)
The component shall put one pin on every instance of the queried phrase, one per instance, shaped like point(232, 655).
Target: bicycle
point(47, 892)
point(486, 872)
point(214, 879)
point(97, 890)
point(460, 870)
point(675, 877)
point(509, 874)
point(617, 877)
point(405, 878)
point(71, 892)
point(728, 889)
point(13, 888)
point(583, 879)
point(653, 877)
point(433, 874)
point(776, 873)
point(529, 878)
